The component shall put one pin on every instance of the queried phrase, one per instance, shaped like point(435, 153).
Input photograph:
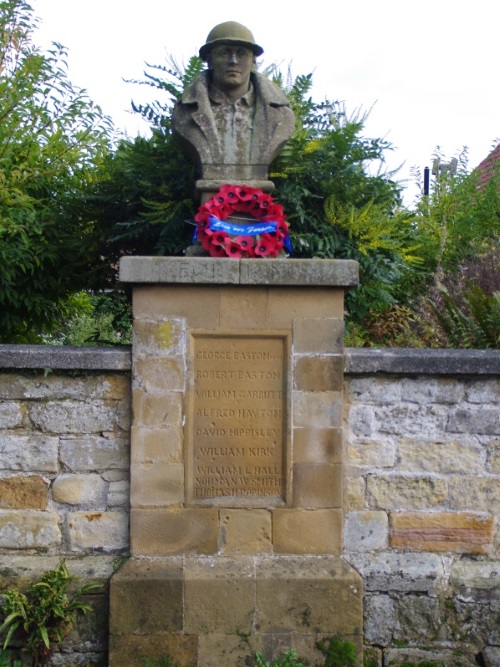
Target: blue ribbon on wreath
point(249, 229)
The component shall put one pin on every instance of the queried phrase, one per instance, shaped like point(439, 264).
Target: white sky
point(430, 67)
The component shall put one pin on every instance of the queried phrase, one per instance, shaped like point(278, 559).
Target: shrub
point(43, 616)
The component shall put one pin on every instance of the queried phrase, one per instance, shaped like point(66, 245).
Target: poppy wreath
point(265, 238)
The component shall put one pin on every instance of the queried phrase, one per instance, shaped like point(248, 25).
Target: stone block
point(305, 645)
point(298, 531)
point(432, 390)
point(159, 374)
point(405, 572)
point(399, 492)
point(318, 373)
point(380, 619)
point(317, 445)
point(125, 650)
point(119, 494)
point(299, 272)
point(29, 530)
point(317, 409)
point(99, 531)
point(486, 390)
point(156, 445)
point(93, 453)
point(493, 456)
point(80, 490)
point(219, 593)
point(114, 475)
point(20, 570)
point(90, 632)
point(157, 410)
point(438, 656)
point(187, 270)
point(406, 419)
point(177, 301)
point(79, 416)
point(491, 655)
point(361, 420)
point(456, 455)
point(366, 531)
point(10, 414)
point(245, 531)
point(243, 308)
point(421, 619)
point(354, 493)
point(219, 650)
point(442, 531)
point(157, 485)
point(301, 594)
point(29, 452)
point(476, 580)
point(169, 532)
point(74, 659)
point(376, 390)
point(480, 420)
point(288, 304)
point(371, 454)
point(158, 338)
point(317, 485)
point(318, 335)
point(146, 597)
point(480, 494)
point(25, 493)
point(54, 387)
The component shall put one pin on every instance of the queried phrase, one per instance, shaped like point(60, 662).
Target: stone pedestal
point(236, 462)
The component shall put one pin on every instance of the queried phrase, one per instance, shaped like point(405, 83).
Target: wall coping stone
point(210, 270)
point(420, 361)
point(358, 361)
point(66, 357)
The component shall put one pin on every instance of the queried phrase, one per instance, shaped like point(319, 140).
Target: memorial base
point(236, 463)
point(217, 611)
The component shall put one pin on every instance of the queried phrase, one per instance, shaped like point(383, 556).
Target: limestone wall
point(64, 468)
point(422, 490)
point(422, 501)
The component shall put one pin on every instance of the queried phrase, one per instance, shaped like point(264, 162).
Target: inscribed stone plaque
point(237, 421)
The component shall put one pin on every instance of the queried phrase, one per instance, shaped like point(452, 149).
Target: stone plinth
point(236, 461)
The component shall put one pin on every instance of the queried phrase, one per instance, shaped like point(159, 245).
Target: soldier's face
point(231, 67)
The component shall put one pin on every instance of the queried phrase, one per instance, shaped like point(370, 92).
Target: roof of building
point(487, 166)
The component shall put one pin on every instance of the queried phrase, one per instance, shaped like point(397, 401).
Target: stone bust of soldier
point(232, 120)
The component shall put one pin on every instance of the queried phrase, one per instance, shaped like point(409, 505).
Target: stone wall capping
point(422, 361)
point(210, 270)
point(65, 357)
point(357, 361)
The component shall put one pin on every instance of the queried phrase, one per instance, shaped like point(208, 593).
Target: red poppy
point(244, 242)
point(282, 228)
point(275, 210)
point(233, 249)
point(231, 192)
point(219, 238)
point(202, 218)
point(255, 210)
point(278, 247)
point(207, 241)
point(266, 202)
point(202, 234)
point(217, 250)
point(244, 206)
point(265, 245)
point(249, 194)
